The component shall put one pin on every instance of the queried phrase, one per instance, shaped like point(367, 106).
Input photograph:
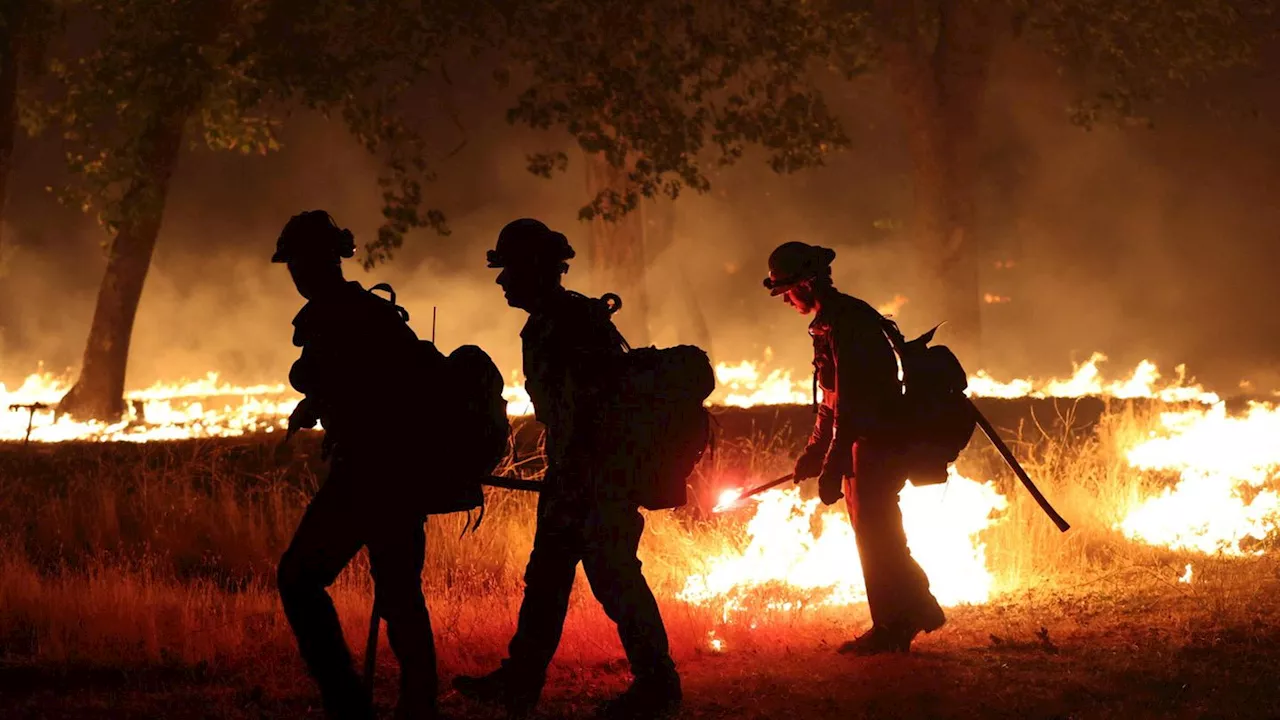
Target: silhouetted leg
point(325, 541)
point(548, 582)
point(897, 588)
point(396, 550)
point(611, 538)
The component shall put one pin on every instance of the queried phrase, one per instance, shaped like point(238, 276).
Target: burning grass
point(163, 554)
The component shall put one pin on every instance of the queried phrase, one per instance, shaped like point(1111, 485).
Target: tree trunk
point(617, 252)
point(941, 87)
point(99, 392)
point(10, 50)
point(660, 236)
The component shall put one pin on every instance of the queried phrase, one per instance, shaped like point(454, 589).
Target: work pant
point(603, 535)
point(344, 516)
point(897, 589)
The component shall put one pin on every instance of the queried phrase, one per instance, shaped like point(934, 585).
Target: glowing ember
point(787, 564)
point(1221, 503)
point(715, 643)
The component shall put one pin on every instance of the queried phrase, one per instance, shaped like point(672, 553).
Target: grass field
point(137, 580)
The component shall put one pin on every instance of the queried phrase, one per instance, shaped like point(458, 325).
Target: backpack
point(660, 425)
point(937, 419)
point(463, 420)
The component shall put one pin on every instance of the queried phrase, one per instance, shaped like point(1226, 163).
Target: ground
point(1131, 647)
point(138, 581)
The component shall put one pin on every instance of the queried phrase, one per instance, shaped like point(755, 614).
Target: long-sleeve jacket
point(857, 368)
point(357, 365)
point(570, 352)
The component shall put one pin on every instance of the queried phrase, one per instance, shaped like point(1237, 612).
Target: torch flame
point(728, 500)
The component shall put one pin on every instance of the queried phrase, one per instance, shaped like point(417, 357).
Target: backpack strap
point(609, 304)
point(386, 287)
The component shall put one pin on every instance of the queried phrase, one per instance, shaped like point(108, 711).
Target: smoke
point(1141, 244)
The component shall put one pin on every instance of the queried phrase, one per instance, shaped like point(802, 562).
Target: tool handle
point(507, 483)
point(761, 488)
point(1014, 465)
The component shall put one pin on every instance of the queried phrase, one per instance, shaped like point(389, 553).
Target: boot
point(516, 692)
point(932, 617)
point(648, 698)
point(878, 640)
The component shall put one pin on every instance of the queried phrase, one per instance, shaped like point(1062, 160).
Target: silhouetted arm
point(857, 396)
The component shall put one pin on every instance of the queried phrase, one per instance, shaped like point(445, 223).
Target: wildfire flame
point(209, 407)
point(1087, 380)
point(1225, 463)
point(787, 564)
point(1224, 496)
point(199, 408)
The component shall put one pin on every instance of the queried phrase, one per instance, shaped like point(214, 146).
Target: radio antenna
point(433, 324)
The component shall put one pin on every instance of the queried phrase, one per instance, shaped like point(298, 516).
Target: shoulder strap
point(386, 287)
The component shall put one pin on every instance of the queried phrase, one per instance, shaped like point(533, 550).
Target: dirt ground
point(1128, 646)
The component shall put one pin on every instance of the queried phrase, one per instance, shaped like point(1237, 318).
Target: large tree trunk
point(659, 237)
point(10, 49)
point(617, 252)
point(940, 83)
point(99, 392)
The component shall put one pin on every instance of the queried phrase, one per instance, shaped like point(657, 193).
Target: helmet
point(795, 262)
point(529, 242)
point(313, 235)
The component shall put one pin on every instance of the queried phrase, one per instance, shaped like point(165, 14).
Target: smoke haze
point(1139, 243)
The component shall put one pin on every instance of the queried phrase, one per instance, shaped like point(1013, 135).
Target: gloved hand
point(808, 465)
point(829, 487)
point(302, 417)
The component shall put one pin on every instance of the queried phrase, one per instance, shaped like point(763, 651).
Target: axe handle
point(1014, 465)
point(507, 483)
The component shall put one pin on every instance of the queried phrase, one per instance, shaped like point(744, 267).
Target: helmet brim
point(279, 257)
point(778, 287)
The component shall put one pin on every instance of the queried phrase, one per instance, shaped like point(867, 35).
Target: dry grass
point(163, 555)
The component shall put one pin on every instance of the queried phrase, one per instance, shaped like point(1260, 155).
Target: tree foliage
point(669, 90)
point(1127, 54)
point(235, 69)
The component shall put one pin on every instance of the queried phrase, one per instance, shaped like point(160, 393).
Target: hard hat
point(313, 235)
point(529, 242)
point(792, 263)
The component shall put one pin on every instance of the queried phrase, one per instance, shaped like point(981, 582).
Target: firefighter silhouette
point(357, 352)
point(569, 343)
point(853, 450)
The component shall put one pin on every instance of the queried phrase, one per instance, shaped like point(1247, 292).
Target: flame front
point(201, 408)
point(1087, 380)
point(786, 564)
point(1225, 500)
